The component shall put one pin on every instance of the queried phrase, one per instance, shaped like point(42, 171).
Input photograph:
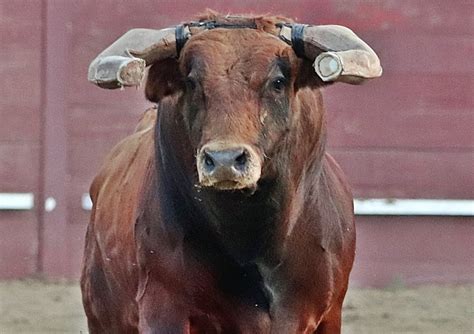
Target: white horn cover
point(123, 63)
point(339, 54)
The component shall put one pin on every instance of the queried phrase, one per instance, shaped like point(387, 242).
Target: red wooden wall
point(21, 92)
point(406, 135)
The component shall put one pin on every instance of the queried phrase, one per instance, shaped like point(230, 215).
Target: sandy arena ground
point(37, 307)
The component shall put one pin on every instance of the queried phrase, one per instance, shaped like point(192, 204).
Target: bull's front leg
point(287, 321)
point(297, 313)
point(159, 311)
point(163, 326)
point(305, 321)
point(166, 319)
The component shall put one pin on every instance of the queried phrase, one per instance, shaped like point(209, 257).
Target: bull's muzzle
point(228, 167)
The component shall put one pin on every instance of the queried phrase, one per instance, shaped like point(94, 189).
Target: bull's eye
point(190, 83)
point(279, 84)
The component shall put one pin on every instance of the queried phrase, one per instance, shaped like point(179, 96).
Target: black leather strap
point(182, 34)
point(181, 38)
point(297, 41)
point(209, 25)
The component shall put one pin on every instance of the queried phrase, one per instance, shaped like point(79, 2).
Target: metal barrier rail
point(413, 207)
point(17, 201)
point(362, 207)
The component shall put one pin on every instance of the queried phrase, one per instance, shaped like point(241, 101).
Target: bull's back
point(324, 237)
point(336, 209)
point(109, 274)
point(116, 190)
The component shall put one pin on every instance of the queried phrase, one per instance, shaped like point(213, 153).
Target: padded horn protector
point(123, 63)
point(339, 55)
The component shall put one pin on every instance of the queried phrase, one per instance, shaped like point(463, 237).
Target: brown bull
point(222, 213)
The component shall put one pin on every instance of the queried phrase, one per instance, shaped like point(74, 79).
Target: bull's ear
point(307, 78)
point(164, 78)
point(337, 54)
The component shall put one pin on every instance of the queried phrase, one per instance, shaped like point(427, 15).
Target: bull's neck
point(248, 226)
point(239, 223)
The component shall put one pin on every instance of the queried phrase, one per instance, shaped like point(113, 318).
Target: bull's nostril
point(208, 160)
point(227, 162)
point(241, 160)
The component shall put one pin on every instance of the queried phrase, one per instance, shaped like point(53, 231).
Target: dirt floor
point(37, 307)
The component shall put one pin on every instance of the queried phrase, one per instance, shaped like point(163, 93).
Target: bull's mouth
point(227, 185)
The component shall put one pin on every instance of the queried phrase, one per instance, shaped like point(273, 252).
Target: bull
point(223, 213)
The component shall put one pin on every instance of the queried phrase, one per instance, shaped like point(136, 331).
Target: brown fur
point(165, 256)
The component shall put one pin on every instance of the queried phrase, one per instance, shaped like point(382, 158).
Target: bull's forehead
point(245, 53)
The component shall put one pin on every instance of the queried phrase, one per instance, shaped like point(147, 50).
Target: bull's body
point(223, 213)
point(138, 263)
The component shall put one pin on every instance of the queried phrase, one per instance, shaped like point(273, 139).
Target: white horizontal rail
point(392, 207)
point(17, 201)
point(86, 202)
point(413, 207)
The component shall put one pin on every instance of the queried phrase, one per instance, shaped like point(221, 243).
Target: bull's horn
point(123, 63)
point(338, 53)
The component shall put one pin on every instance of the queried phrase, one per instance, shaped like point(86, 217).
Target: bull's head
point(237, 79)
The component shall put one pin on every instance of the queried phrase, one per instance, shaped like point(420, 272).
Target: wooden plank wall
point(20, 131)
point(411, 136)
point(405, 135)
